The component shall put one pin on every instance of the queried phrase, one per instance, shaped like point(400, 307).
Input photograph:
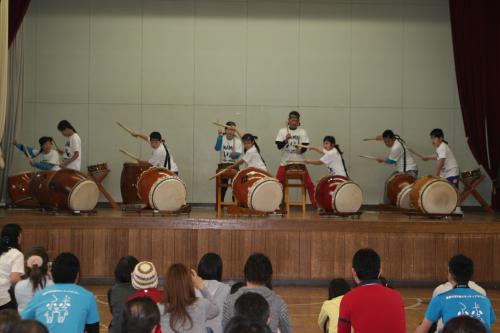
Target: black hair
point(140, 315)
point(331, 139)
point(244, 325)
point(65, 268)
point(366, 264)
point(64, 124)
point(464, 324)
point(229, 123)
point(210, 267)
point(44, 139)
point(252, 138)
point(30, 326)
point(461, 268)
point(157, 136)
point(438, 133)
point(124, 269)
point(38, 275)
point(258, 269)
point(237, 286)
point(252, 306)
point(338, 287)
point(389, 134)
point(386, 283)
point(8, 319)
point(10, 237)
point(294, 114)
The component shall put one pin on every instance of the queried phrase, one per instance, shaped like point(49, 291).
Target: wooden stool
point(470, 188)
point(295, 174)
point(219, 185)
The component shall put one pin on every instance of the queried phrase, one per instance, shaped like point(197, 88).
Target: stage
point(305, 250)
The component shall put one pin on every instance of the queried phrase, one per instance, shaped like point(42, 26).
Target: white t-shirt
point(227, 148)
point(397, 154)
point(74, 144)
point(253, 159)
point(158, 157)
point(450, 168)
point(11, 261)
point(52, 157)
point(289, 151)
point(333, 161)
point(24, 292)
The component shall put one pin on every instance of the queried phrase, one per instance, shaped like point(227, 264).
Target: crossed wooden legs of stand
point(470, 188)
point(98, 180)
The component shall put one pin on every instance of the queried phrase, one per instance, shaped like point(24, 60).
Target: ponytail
point(37, 269)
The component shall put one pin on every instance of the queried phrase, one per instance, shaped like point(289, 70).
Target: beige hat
point(144, 276)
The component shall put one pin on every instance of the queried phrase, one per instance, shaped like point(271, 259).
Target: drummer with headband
point(287, 140)
point(160, 156)
point(398, 154)
point(44, 158)
point(332, 157)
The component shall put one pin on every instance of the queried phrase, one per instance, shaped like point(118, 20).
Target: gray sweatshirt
point(200, 311)
point(219, 292)
point(277, 306)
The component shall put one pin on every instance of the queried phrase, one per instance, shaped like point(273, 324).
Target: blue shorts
point(453, 181)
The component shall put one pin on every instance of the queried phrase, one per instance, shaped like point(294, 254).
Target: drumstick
point(221, 125)
point(220, 172)
point(369, 157)
point(132, 156)
point(129, 130)
point(414, 152)
point(370, 139)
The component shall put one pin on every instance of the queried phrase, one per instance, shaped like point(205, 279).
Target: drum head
point(84, 196)
point(347, 198)
point(438, 197)
point(265, 195)
point(404, 201)
point(168, 194)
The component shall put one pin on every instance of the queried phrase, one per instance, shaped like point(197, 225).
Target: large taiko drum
point(257, 189)
point(128, 182)
point(434, 195)
point(338, 194)
point(65, 189)
point(398, 188)
point(161, 189)
point(18, 186)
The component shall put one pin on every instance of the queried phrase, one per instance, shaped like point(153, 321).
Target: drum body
point(230, 173)
point(257, 189)
point(18, 187)
point(338, 194)
point(65, 189)
point(295, 167)
point(161, 189)
point(97, 170)
point(434, 195)
point(471, 175)
point(128, 182)
point(398, 188)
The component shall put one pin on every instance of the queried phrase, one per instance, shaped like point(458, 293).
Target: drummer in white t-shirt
point(332, 157)
point(160, 156)
point(252, 156)
point(398, 154)
point(72, 153)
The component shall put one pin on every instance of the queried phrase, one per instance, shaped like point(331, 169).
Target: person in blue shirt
point(461, 300)
point(44, 158)
point(65, 306)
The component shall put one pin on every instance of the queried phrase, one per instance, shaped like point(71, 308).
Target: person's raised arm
point(140, 135)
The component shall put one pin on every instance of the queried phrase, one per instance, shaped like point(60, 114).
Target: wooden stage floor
point(305, 250)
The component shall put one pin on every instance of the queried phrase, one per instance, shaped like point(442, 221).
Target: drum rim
point(157, 183)
point(97, 166)
point(406, 190)
point(21, 173)
point(349, 182)
point(250, 169)
point(252, 189)
point(75, 187)
point(421, 191)
point(321, 181)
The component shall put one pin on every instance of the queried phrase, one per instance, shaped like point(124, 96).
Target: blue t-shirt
point(461, 302)
point(63, 308)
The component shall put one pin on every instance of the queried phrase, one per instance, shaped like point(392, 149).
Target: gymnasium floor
point(304, 304)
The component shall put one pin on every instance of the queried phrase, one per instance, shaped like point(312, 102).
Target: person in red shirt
point(370, 307)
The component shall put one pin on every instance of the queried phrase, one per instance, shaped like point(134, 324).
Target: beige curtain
point(4, 72)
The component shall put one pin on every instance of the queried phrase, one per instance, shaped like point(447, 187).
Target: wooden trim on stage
point(314, 249)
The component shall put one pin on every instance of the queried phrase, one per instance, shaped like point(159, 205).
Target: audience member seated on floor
point(236, 286)
point(29, 326)
point(330, 310)
point(121, 291)
point(370, 307)
point(141, 315)
point(461, 300)
point(64, 307)
point(254, 307)
point(210, 270)
point(244, 325)
point(182, 311)
point(258, 273)
point(8, 319)
point(145, 281)
point(447, 286)
point(36, 278)
point(11, 263)
point(464, 324)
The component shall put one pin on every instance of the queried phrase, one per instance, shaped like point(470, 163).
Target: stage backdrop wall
point(351, 68)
